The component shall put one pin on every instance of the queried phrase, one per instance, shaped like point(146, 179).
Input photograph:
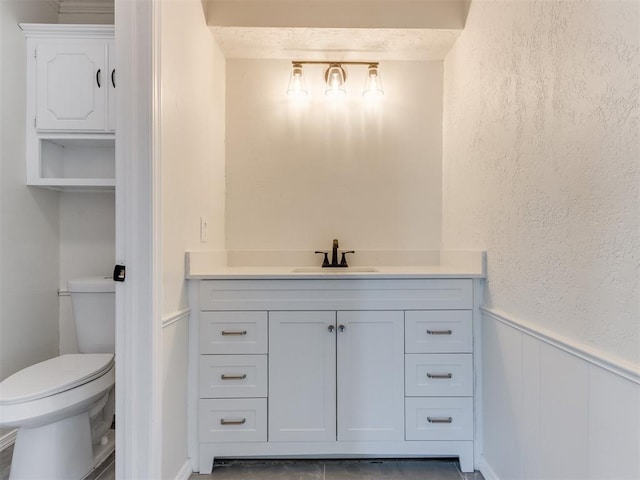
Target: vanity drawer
point(438, 331)
point(233, 332)
point(233, 420)
point(438, 375)
point(230, 376)
point(439, 418)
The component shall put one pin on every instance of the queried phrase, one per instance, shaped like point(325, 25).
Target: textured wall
point(541, 163)
point(302, 173)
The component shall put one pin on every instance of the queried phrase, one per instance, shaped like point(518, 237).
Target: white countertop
point(201, 267)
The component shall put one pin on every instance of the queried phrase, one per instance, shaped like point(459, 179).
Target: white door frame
point(138, 325)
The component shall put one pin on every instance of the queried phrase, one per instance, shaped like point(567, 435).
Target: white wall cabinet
point(332, 368)
point(71, 85)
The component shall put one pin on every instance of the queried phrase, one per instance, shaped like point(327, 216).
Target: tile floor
point(407, 469)
point(105, 471)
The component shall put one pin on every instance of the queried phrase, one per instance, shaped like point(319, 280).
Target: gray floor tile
point(406, 469)
point(5, 462)
point(392, 470)
point(266, 470)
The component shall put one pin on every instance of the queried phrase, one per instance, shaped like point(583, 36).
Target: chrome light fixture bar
point(335, 77)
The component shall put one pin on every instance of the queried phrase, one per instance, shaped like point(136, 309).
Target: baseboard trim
point(486, 470)
point(598, 358)
point(185, 472)
point(8, 439)
point(175, 317)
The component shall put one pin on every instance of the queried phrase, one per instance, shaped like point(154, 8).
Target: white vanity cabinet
point(334, 368)
point(71, 103)
point(345, 368)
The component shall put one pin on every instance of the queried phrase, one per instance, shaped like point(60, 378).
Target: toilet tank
point(94, 313)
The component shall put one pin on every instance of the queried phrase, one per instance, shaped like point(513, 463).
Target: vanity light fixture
point(335, 77)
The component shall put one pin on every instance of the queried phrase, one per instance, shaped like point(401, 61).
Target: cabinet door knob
point(342, 328)
point(113, 78)
point(331, 328)
point(98, 78)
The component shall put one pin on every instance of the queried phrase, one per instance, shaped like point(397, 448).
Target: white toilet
point(63, 407)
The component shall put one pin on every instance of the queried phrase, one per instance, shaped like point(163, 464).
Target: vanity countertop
point(207, 266)
point(289, 273)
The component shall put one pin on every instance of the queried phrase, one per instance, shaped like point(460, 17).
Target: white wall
point(192, 175)
point(28, 216)
point(300, 173)
point(87, 248)
point(540, 168)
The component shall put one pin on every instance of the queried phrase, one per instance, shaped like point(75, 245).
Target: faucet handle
point(325, 262)
point(343, 262)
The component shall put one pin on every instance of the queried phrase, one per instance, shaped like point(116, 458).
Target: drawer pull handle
point(439, 375)
point(233, 377)
point(439, 332)
point(440, 420)
point(226, 333)
point(233, 422)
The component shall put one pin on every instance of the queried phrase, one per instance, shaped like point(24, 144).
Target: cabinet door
point(302, 383)
point(370, 376)
point(72, 80)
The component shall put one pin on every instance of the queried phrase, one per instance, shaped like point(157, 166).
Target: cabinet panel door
point(302, 385)
point(72, 80)
point(370, 376)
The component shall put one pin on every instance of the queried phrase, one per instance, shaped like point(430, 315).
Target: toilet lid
point(54, 376)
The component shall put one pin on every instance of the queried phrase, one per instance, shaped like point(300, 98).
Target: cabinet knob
point(331, 328)
point(342, 328)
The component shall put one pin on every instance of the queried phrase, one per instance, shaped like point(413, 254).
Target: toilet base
point(61, 450)
point(101, 451)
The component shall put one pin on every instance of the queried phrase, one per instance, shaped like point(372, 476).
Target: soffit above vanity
point(343, 30)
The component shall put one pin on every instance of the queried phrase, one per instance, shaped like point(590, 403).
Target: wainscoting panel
point(553, 411)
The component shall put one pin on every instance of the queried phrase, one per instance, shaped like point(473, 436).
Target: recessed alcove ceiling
point(345, 30)
point(334, 43)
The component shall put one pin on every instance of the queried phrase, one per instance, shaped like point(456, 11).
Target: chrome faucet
point(334, 257)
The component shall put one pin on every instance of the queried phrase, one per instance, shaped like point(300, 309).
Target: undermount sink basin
point(334, 270)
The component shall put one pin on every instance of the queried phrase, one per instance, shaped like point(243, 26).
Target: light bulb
point(297, 88)
point(335, 77)
point(373, 84)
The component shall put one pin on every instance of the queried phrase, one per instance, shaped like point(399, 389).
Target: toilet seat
point(54, 376)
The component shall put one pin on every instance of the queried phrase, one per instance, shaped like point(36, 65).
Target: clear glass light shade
point(335, 77)
point(297, 88)
point(373, 84)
